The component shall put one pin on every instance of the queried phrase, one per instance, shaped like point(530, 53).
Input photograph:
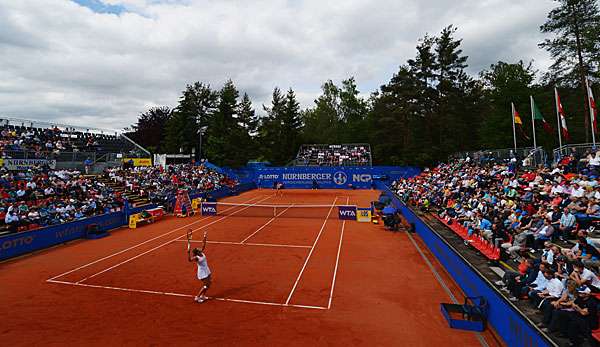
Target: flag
point(519, 123)
point(593, 108)
point(561, 113)
point(537, 115)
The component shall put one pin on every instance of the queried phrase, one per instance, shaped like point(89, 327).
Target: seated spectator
point(565, 302)
point(519, 242)
point(578, 319)
point(545, 285)
point(543, 234)
point(583, 276)
point(567, 224)
point(553, 290)
point(587, 253)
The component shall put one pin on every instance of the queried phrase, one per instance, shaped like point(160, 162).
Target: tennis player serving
point(204, 274)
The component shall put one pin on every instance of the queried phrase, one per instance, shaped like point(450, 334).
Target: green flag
point(537, 115)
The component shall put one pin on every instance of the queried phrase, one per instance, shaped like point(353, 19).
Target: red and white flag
point(561, 114)
point(593, 108)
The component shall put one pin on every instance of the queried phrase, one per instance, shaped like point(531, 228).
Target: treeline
point(430, 108)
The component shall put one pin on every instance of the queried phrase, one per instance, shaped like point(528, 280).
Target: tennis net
point(279, 211)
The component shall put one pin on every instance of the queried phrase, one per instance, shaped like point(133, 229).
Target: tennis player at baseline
point(204, 274)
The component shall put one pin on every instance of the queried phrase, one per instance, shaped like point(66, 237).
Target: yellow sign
point(139, 161)
point(363, 214)
point(195, 204)
point(133, 220)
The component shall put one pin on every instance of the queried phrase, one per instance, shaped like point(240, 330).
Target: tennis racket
point(189, 240)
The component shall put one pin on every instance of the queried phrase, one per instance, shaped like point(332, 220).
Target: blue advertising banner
point(208, 208)
point(514, 327)
point(330, 177)
point(347, 212)
point(29, 241)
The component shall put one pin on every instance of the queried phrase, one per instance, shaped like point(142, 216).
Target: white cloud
point(63, 62)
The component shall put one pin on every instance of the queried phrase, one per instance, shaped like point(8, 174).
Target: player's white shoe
point(199, 299)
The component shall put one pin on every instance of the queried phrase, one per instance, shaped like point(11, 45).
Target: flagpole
point(533, 122)
point(514, 131)
point(558, 121)
point(587, 87)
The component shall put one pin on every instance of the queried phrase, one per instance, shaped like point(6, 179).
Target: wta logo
point(209, 209)
point(340, 178)
point(347, 212)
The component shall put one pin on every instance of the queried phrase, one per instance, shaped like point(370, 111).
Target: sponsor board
point(363, 214)
point(347, 212)
point(208, 208)
point(139, 161)
point(335, 177)
point(28, 241)
point(26, 164)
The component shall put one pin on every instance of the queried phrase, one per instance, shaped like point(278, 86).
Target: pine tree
point(451, 121)
point(291, 126)
point(248, 137)
point(270, 127)
point(575, 46)
point(353, 112)
point(247, 118)
point(224, 132)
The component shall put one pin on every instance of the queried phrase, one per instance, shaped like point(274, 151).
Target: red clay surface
point(141, 293)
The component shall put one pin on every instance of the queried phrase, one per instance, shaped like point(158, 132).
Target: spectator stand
point(526, 156)
point(68, 145)
point(356, 154)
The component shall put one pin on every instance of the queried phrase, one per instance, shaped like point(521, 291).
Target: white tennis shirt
point(203, 270)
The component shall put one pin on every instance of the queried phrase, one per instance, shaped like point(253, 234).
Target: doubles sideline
point(311, 252)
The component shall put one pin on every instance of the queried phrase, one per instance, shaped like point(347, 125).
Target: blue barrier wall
point(514, 328)
point(29, 241)
point(329, 177)
point(26, 242)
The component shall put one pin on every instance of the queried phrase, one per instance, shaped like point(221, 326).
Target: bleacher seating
point(546, 217)
point(20, 142)
point(42, 197)
point(334, 155)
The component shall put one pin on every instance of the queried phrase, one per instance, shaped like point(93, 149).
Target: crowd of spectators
point(544, 219)
point(41, 197)
point(335, 155)
point(159, 184)
point(48, 142)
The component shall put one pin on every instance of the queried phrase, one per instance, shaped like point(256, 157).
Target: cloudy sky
point(102, 62)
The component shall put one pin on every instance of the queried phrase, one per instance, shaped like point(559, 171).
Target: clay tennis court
point(282, 279)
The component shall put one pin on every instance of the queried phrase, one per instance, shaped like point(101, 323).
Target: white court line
point(310, 253)
point(183, 295)
point(267, 223)
point(166, 243)
point(135, 246)
point(249, 244)
point(337, 260)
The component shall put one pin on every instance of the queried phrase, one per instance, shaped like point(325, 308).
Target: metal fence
point(59, 157)
point(579, 150)
point(526, 156)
